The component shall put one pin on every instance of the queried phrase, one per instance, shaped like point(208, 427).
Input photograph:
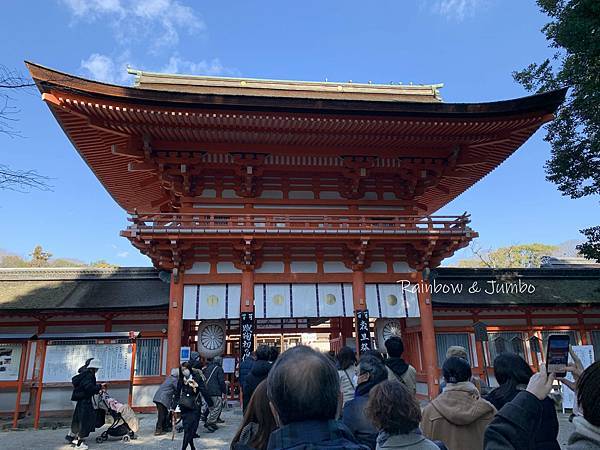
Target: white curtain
point(304, 300)
point(331, 300)
point(390, 300)
point(189, 302)
point(272, 301)
point(211, 301)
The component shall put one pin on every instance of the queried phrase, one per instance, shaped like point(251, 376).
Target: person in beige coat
point(458, 416)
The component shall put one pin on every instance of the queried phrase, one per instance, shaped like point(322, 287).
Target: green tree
point(102, 264)
point(574, 33)
point(525, 255)
point(39, 258)
point(13, 261)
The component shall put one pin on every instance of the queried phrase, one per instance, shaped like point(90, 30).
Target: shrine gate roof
point(113, 127)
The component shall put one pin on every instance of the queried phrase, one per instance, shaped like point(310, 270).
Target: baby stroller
point(125, 423)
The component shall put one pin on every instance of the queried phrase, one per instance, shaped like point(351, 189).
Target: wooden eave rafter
point(112, 126)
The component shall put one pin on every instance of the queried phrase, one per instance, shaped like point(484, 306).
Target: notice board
point(63, 361)
point(10, 361)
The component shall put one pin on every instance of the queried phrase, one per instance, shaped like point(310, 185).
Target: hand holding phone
point(541, 383)
point(576, 368)
point(557, 354)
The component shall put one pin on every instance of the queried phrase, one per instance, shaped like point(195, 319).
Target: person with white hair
point(84, 416)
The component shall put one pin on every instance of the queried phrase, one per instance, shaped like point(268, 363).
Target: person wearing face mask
point(84, 416)
point(191, 388)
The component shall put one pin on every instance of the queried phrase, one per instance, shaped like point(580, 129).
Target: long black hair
point(346, 358)
point(456, 370)
point(510, 371)
point(588, 393)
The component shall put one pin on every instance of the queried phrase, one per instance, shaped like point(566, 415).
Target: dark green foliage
point(574, 31)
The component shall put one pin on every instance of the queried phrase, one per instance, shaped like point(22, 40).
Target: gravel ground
point(53, 439)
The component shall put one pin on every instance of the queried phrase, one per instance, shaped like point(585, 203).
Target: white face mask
point(186, 373)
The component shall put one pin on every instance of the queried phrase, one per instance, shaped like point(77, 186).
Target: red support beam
point(175, 326)
point(429, 352)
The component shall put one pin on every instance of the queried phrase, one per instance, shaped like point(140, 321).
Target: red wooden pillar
point(175, 324)
point(429, 353)
point(22, 374)
point(247, 298)
point(582, 330)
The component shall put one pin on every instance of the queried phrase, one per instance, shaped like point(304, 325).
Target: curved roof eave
point(47, 79)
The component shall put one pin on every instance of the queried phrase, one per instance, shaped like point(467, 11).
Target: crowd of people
point(304, 399)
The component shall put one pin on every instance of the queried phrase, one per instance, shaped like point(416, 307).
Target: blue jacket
point(314, 435)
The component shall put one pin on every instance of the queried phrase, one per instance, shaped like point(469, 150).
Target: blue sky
point(471, 46)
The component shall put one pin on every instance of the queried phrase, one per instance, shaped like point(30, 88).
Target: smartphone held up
point(557, 354)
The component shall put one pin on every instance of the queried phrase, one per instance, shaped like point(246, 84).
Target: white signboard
point(63, 361)
point(10, 361)
point(229, 365)
point(586, 355)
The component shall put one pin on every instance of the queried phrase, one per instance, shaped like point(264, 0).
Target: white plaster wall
point(377, 267)
point(301, 195)
point(402, 267)
point(303, 266)
point(199, 268)
point(330, 195)
point(8, 397)
point(335, 267)
point(227, 267)
point(142, 395)
point(271, 267)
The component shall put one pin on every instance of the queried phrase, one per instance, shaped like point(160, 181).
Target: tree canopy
point(42, 258)
point(574, 33)
point(525, 255)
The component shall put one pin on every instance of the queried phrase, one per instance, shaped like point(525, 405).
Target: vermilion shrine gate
point(298, 203)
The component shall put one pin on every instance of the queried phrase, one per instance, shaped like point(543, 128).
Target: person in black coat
point(84, 416)
point(260, 370)
point(246, 367)
point(215, 384)
point(371, 372)
point(515, 425)
point(191, 386)
point(512, 374)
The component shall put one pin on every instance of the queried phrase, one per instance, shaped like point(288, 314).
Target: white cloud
point(154, 21)
point(456, 9)
point(123, 254)
point(92, 8)
point(204, 67)
point(105, 68)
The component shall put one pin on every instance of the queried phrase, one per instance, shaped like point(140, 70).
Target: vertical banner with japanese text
point(246, 334)
point(362, 330)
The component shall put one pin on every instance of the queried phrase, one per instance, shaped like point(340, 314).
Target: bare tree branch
point(22, 180)
point(14, 179)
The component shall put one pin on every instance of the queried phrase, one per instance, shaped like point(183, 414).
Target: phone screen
point(557, 356)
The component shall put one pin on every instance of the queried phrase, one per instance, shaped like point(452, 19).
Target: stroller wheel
point(99, 440)
point(125, 438)
point(104, 437)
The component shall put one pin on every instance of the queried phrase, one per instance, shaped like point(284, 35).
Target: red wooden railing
point(253, 223)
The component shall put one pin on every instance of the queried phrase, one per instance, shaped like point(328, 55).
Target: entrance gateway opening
point(325, 319)
point(289, 210)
